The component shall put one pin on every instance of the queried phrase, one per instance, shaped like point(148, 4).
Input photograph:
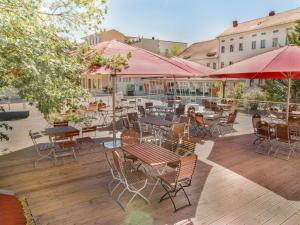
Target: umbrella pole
point(224, 87)
point(289, 96)
point(114, 107)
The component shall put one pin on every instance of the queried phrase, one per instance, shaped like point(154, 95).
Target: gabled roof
point(268, 21)
point(201, 50)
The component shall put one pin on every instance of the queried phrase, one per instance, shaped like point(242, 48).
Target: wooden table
point(59, 131)
point(154, 156)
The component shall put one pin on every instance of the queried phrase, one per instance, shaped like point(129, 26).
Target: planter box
point(13, 115)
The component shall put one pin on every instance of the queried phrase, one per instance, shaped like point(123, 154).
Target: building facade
point(128, 86)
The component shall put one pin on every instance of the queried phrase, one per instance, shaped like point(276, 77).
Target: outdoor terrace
point(232, 184)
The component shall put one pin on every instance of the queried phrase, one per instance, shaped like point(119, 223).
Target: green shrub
point(251, 96)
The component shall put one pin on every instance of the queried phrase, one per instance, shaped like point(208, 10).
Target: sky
point(186, 20)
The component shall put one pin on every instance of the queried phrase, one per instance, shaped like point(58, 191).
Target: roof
point(201, 50)
point(268, 21)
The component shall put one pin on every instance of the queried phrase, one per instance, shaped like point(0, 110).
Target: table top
point(156, 121)
point(59, 130)
point(152, 154)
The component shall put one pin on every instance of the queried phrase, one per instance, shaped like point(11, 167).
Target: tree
point(175, 50)
point(276, 89)
point(36, 55)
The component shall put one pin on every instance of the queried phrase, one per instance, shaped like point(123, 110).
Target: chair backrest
point(179, 111)
point(33, 137)
point(178, 129)
point(101, 105)
point(92, 106)
point(128, 138)
point(148, 105)
point(61, 123)
point(292, 107)
point(169, 116)
point(191, 111)
point(170, 143)
point(186, 168)
point(255, 118)
point(141, 110)
point(132, 117)
point(213, 106)
point(126, 123)
point(137, 127)
point(118, 164)
point(187, 146)
point(199, 119)
point(263, 129)
point(282, 132)
point(294, 124)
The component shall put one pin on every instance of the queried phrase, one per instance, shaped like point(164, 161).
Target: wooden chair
point(44, 151)
point(61, 123)
point(87, 140)
point(134, 181)
point(132, 117)
point(170, 143)
point(255, 119)
point(187, 121)
point(186, 146)
point(141, 110)
point(228, 123)
point(143, 136)
point(264, 137)
point(201, 126)
point(283, 137)
point(177, 130)
point(177, 180)
point(67, 146)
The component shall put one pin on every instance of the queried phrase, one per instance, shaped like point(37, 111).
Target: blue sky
point(186, 20)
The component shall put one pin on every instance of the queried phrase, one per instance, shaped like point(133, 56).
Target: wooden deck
point(232, 185)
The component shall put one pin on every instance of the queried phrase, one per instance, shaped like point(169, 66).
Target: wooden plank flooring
point(232, 185)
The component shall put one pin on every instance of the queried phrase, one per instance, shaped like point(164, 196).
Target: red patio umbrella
point(282, 63)
point(142, 64)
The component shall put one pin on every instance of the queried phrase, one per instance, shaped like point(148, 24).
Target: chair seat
point(136, 178)
point(170, 178)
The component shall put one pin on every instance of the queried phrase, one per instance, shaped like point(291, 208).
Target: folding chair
point(134, 181)
point(143, 136)
point(177, 180)
point(264, 137)
point(186, 146)
point(283, 137)
point(187, 121)
point(87, 140)
point(44, 151)
point(255, 119)
point(132, 117)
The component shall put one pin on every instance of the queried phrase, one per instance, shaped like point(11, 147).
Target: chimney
point(235, 23)
point(272, 13)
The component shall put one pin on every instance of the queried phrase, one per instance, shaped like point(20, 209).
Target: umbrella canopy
point(197, 69)
point(142, 63)
point(281, 63)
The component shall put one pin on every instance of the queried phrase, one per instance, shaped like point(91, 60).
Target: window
point(241, 37)
point(223, 40)
point(230, 63)
point(251, 83)
point(253, 45)
point(241, 47)
point(231, 39)
point(222, 64)
point(264, 33)
point(275, 42)
point(141, 87)
point(231, 48)
point(214, 65)
point(222, 49)
point(275, 31)
point(208, 64)
point(263, 44)
point(254, 35)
